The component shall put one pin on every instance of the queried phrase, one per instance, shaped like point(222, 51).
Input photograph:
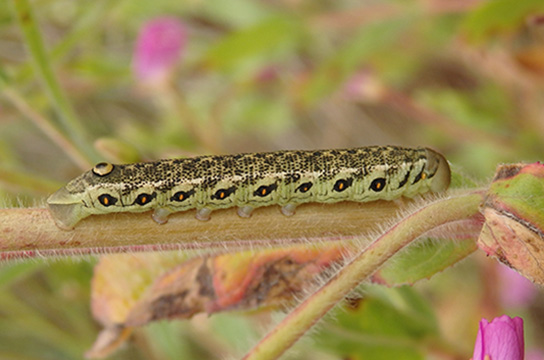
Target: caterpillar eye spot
point(107, 200)
point(222, 194)
point(143, 199)
point(182, 195)
point(304, 187)
point(179, 196)
point(378, 184)
point(419, 176)
point(264, 190)
point(342, 185)
point(103, 169)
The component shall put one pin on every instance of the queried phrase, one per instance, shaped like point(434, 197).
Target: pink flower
point(158, 49)
point(514, 289)
point(363, 85)
point(502, 339)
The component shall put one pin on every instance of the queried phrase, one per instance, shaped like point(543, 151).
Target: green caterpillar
point(248, 181)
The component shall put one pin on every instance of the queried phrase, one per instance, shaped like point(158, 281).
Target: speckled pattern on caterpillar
point(247, 181)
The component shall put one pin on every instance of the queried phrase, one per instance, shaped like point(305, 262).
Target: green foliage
point(500, 16)
point(239, 52)
point(368, 41)
point(384, 324)
point(521, 195)
point(423, 260)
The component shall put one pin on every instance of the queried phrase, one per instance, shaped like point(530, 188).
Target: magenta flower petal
point(159, 47)
point(502, 339)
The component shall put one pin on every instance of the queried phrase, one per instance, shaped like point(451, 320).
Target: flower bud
point(502, 339)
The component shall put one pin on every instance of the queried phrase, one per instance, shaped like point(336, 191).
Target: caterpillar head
point(71, 203)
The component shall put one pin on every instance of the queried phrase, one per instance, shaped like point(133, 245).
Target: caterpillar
point(248, 181)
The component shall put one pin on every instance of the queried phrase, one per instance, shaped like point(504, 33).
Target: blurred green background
point(463, 77)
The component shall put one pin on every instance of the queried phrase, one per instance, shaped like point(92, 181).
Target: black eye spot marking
point(377, 184)
point(107, 200)
point(264, 190)
point(103, 169)
point(420, 176)
point(143, 199)
point(182, 195)
point(405, 180)
point(304, 187)
point(223, 193)
point(342, 184)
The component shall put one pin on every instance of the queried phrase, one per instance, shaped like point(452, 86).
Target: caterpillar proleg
point(248, 181)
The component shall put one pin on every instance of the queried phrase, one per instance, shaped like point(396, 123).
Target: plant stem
point(28, 233)
point(47, 128)
point(364, 264)
point(175, 103)
point(40, 60)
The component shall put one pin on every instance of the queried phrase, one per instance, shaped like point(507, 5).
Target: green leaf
point(250, 48)
point(498, 16)
point(521, 194)
point(385, 324)
point(424, 260)
point(10, 273)
point(334, 71)
point(460, 179)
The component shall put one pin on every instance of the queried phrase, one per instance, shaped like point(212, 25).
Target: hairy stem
point(364, 264)
point(28, 233)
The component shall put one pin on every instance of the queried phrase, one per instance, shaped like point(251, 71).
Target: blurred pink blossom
point(363, 85)
point(159, 47)
point(267, 74)
point(502, 339)
point(514, 289)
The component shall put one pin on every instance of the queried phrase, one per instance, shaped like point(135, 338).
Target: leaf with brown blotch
point(154, 286)
point(149, 287)
point(514, 219)
point(118, 283)
point(244, 280)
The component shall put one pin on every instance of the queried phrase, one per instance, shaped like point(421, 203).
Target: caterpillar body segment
point(249, 181)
